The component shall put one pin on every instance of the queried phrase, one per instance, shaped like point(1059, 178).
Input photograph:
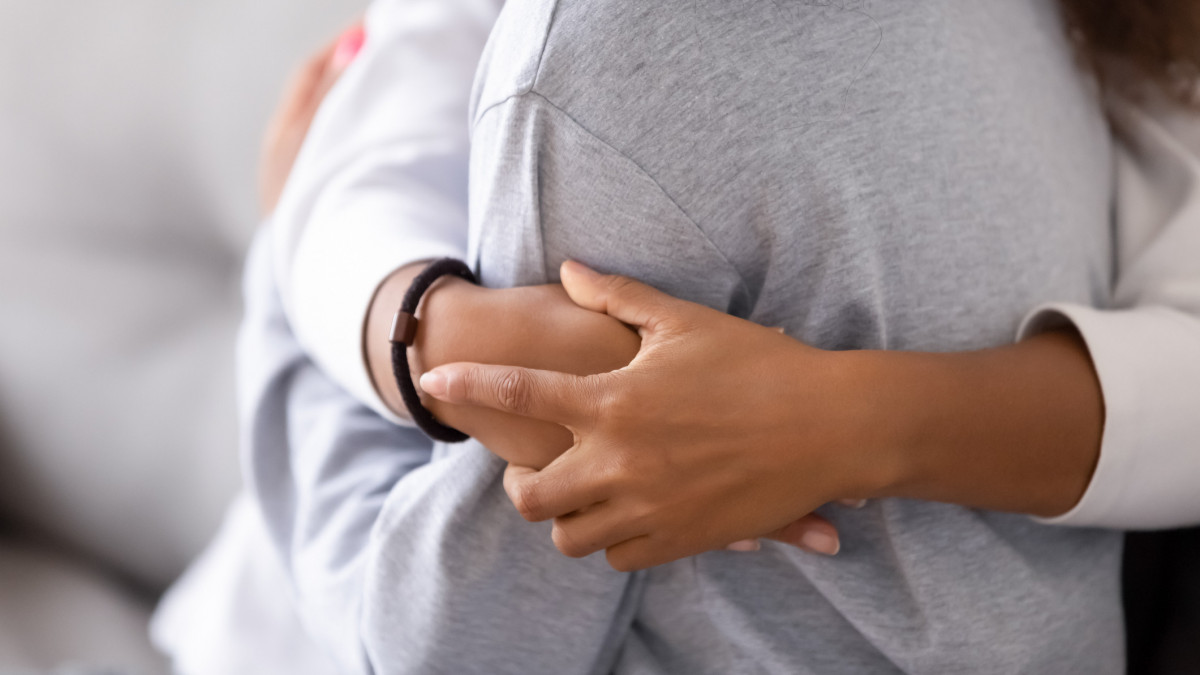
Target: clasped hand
point(719, 430)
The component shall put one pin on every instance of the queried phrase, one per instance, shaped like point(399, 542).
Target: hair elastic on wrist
point(404, 331)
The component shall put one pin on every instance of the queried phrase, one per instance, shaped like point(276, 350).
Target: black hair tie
point(404, 331)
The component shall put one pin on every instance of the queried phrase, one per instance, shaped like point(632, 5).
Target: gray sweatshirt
point(868, 175)
point(865, 174)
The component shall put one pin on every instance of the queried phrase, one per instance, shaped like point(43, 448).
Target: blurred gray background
point(129, 135)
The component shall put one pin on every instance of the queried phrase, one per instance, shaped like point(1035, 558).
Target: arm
point(1146, 348)
point(344, 494)
point(403, 559)
point(533, 326)
point(1000, 429)
point(381, 182)
point(380, 186)
point(1017, 429)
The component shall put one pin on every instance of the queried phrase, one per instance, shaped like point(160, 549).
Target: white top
point(232, 612)
point(381, 183)
point(1146, 347)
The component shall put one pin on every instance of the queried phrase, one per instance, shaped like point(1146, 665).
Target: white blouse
point(382, 183)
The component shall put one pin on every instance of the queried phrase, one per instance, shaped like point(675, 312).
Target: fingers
point(622, 298)
point(289, 125)
point(811, 533)
point(348, 46)
point(316, 77)
point(557, 490)
point(541, 394)
point(745, 546)
point(816, 529)
point(638, 553)
point(596, 528)
point(326, 68)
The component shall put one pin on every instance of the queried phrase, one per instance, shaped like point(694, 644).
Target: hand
point(296, 110)
point(534, 327)
point(718, 431)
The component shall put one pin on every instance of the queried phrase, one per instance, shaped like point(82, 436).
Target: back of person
point(866, 175)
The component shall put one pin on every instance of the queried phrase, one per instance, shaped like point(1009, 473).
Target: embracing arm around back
point(673, 456)
point(1145, 356)
point(1091, 418)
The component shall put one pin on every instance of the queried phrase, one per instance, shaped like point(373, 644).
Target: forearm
point(364, 517)
point(382, 181)
point(1016, 428)
point(534, 327)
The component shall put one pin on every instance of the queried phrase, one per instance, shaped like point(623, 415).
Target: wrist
point(444, 294)
point(848, 415)
point(447, 319)
point(881, 422)
point(1014, 428)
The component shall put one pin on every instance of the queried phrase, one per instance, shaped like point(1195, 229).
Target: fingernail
point(821, 542)
point(745, 545)
point(854, 503)
point(434, 383)
point(348, 47)
point(576, 267)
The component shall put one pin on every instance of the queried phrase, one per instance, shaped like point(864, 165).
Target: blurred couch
point(129, 132)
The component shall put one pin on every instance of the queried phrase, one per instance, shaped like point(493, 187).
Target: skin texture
point(662, 469)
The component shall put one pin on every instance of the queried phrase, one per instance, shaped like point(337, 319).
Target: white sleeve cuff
point(1148, 363)
point(334, 277)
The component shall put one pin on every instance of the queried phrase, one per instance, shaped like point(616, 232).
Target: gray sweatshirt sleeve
point(403, 558)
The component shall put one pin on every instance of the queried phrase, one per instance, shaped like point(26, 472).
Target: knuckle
point(592, 395)
point(618, 289)
point(524, 496)
point(644, 514)
point(613, 400)
point(621, 408)
point(514, 392)
point(613, 471)
point(619, 284)
point(622, 466)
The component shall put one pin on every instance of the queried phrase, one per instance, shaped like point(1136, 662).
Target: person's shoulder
point(564, 49)
point(511, 60)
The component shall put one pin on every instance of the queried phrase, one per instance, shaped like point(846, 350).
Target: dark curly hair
point(1132, 44)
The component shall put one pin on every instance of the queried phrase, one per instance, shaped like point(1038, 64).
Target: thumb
point(624, 299)
point(546, 395)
